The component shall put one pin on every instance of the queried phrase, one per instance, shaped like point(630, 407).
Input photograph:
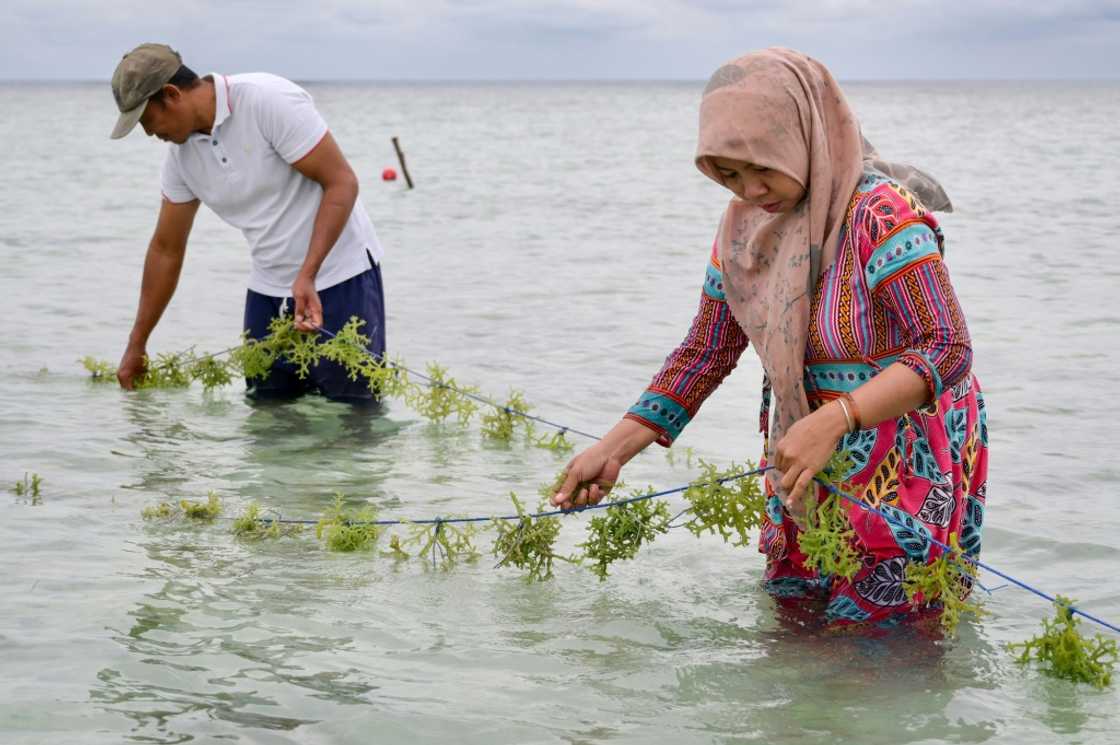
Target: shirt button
point(214, 143)
point(223, 160)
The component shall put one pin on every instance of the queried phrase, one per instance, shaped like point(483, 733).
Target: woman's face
point(759, 186)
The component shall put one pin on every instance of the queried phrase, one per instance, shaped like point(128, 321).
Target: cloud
point(674, 39)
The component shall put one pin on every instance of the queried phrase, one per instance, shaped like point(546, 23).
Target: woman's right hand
point(591, 474)
point(589, 477)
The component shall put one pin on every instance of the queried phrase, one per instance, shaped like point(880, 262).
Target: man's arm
point(325, 165)
point(162, 266)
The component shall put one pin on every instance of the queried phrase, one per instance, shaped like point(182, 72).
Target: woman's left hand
point(804, 450)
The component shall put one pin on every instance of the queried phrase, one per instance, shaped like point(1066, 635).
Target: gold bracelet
point(858, 423)
point(847, 414)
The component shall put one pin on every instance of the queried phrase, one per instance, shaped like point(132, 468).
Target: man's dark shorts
point(359, 296)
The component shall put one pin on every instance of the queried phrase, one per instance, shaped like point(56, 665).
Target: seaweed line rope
point(602, 505)
point(756, 472)
point(489, 518)
point(860, 503)
point(473, 396)
point(468, 394)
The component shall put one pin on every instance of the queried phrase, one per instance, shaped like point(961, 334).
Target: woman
point(832, 267)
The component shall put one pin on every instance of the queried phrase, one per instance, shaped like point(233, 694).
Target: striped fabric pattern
point(707, 355)
point(887, 298)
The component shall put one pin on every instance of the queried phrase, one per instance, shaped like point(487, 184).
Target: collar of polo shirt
point(222, 106)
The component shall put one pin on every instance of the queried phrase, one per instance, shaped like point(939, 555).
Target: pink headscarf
point(782, 110)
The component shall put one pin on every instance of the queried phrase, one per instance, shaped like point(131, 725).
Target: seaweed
point(528, 543)
point(250, 526)
point(339, 530)
point(442, 543)
point(725, 502)
point(207, 510)
point(101, 371)
point(624, 529)
point(501, 423)
point(828, 539)
point(30, 487)
point(1062, 652)
point(944, 582)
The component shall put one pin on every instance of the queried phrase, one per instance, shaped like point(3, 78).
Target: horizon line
point(449, 81)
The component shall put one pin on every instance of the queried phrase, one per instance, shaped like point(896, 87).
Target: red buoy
point(388, 175)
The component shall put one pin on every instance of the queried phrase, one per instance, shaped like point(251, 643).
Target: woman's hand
point(589, 477)
point(591, 474)
point(803, 451)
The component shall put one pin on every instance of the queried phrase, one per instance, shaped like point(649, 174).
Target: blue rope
point(439, 521)
point(550, 513)
point(603, 505)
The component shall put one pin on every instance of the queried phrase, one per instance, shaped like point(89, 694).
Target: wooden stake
point(400, 157)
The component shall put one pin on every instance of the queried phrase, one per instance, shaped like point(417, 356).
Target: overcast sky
point(565, 39)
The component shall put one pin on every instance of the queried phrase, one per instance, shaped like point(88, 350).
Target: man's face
point(168, 117)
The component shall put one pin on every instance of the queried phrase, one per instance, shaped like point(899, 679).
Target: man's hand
point(132, 366)
point(326, 166)
point(308, 310)
point(162, 267)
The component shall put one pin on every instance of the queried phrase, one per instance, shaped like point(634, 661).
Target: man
point(255, 150)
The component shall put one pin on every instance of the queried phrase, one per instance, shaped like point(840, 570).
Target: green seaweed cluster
point(944, 582)
point(102, 371)
point(828, 539)
point(725, 502)
point(442, 544)
point(207, 510)
point(438, 399)
point(341, 530)
point(251, 526)
point(442, 398)
point(624, 529)
point(557, 442)
point(528, 543)
point(191, 509)
point(1062, 652)
point(501, 423)
point(29, 487)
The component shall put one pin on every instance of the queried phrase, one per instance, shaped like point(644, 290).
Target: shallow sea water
point(555, 243)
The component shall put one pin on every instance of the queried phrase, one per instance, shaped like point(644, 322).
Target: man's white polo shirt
point(243, 172)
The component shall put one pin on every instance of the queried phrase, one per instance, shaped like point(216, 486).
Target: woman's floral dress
point(886, 299)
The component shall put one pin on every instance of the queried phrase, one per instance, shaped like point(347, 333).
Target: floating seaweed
point(1062, 652)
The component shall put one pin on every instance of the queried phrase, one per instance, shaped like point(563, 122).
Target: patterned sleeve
point(696, 368)
point(906, 274)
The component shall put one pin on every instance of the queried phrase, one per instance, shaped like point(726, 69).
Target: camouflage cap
point(139, 76)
